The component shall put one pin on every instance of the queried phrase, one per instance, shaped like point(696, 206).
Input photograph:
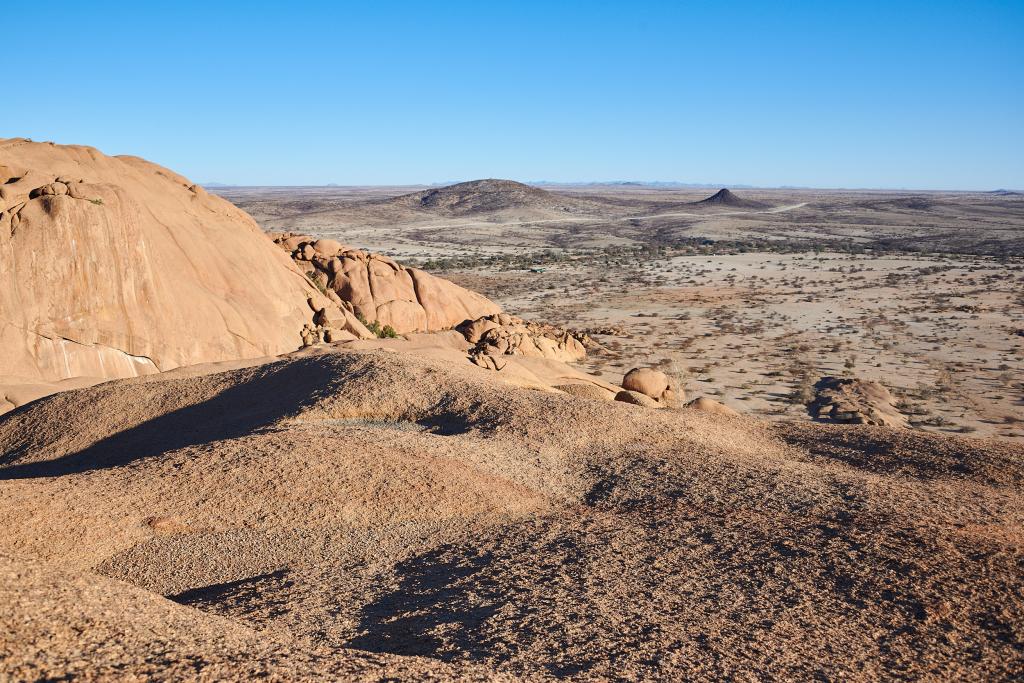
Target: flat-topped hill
point(485, 196)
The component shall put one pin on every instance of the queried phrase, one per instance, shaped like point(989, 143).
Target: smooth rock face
point(115, 267)
point(379, 289)
point(653, 383)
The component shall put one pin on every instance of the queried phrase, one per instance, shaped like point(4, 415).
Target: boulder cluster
point(652, 388)
point(501, 334)
point(375, 289)
point(494, 337)
point(332, 324)
point(849, 400)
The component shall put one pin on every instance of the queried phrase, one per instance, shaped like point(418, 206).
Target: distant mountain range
point(665, 184)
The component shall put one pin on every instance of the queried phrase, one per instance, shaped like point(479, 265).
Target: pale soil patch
point(746, 328)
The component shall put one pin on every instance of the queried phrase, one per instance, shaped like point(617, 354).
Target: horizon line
point(634, 183)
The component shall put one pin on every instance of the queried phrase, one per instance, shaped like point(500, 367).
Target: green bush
point(385, 332)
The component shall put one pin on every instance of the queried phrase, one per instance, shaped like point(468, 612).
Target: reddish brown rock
point(377, 288)
point(501, 334)
point(116, 267)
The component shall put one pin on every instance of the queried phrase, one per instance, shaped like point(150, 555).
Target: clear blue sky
point(840, 94)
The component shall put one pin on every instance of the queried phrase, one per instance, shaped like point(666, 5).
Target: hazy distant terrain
point(595, 216)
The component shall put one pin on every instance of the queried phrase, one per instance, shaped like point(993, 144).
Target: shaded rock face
point(637, 398)
point(116, 267)
point(848, 400)
point(376, 288)
point(501, 334)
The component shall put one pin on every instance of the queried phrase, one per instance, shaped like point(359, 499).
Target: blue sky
point(841, 94)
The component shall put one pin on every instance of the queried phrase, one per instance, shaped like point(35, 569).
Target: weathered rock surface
point(115, 267)
point(377, 288)
point(331, 514)
point(849, 400)
point(502, 334)
point(591, 391)
point(82, 626)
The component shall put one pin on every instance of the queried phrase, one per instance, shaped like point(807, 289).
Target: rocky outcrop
point(422, 497)
point(116, 267)
point(377, 289)
point(502, 334)
point(652, 383)
point(726, 198)
point(849, 400)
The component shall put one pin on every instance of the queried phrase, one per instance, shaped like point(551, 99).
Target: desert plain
point(748, 300)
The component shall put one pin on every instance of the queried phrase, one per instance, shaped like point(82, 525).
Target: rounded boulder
point(650, 382)
point(708, 405)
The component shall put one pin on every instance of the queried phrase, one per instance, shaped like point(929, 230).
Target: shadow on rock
point(434, 612)
point(275, 392)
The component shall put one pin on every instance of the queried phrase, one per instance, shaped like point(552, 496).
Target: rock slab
point(116, 267)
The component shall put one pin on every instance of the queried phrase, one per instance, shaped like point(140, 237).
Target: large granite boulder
point(116, 267)
point(377, 289)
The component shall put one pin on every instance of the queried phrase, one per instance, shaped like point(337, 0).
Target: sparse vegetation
point(319, 281)
point(784, 300)
point(374, 326)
